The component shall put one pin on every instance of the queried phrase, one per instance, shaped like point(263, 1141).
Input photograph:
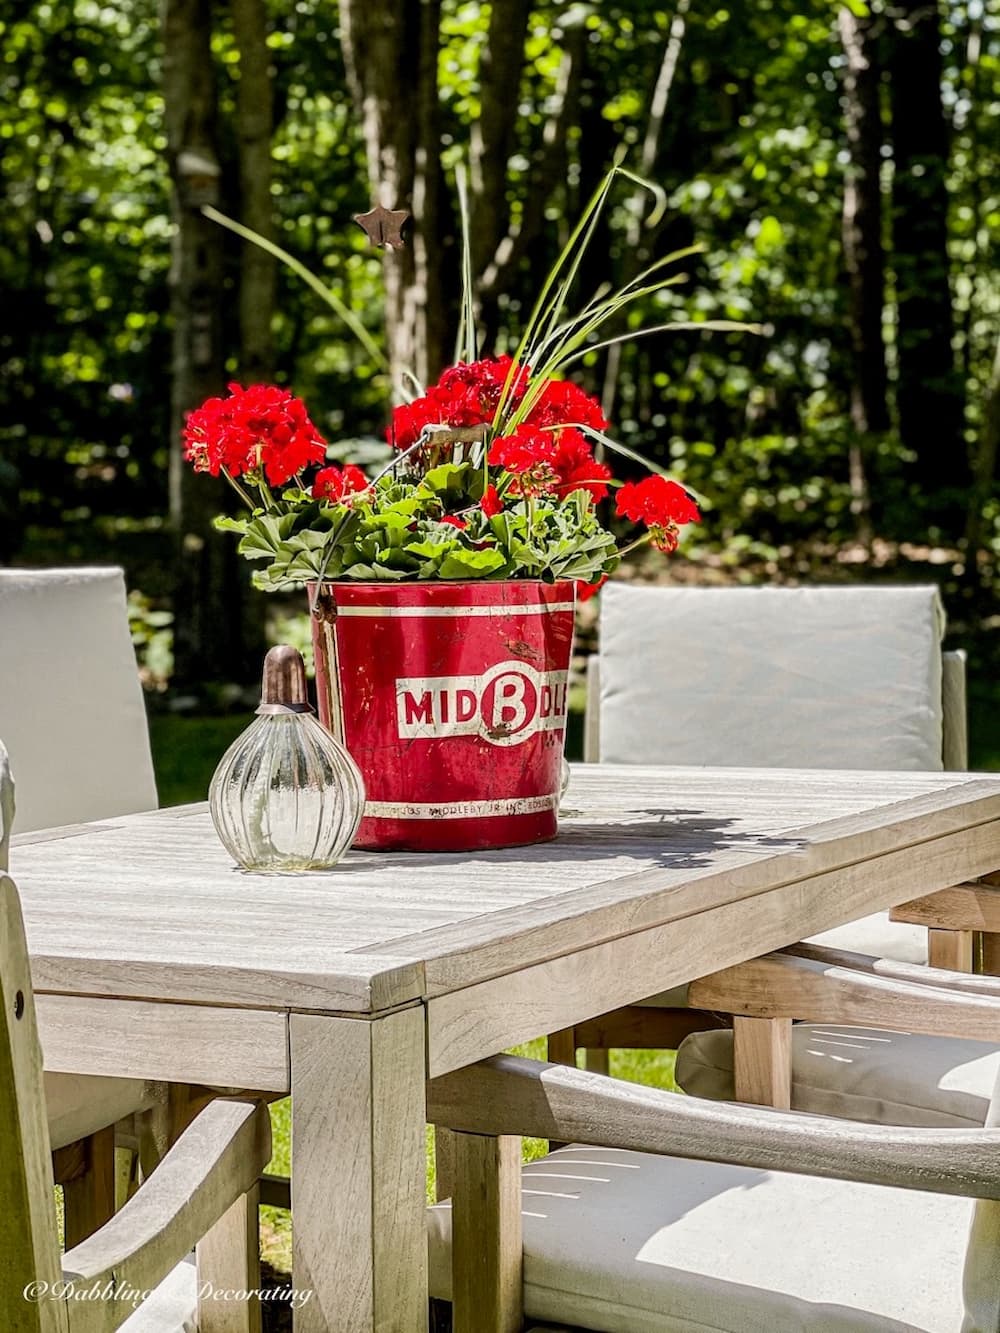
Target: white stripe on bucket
point(515, 805)
point(391, 611)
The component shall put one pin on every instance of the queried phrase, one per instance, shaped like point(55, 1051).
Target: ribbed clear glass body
point(286, 796)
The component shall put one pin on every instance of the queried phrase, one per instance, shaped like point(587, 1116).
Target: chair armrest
point(510, 1095)
point(783, 985)
point(937, 977)
point(974, 906)
point(215, 1161)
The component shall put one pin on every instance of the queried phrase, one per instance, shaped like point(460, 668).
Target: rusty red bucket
point(451, 697)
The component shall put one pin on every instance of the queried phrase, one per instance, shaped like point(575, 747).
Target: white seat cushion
point(71, 707)
point(886, 1078)
point(878, 936)
point(630, 1243)
point(78, 1104)
point(846, 678)
point(173, 1306)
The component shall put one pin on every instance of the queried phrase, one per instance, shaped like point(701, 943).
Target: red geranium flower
point(409, 420)
point(584, 591)
point(491, 504)
point(662, 505)
point(332, 483)
point(465, 395)
point(528, 454)
point(453, 521)
point(577, 468)
point(563, 403)
point(258, 427)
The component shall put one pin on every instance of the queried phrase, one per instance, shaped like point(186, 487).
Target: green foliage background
point(752, 162)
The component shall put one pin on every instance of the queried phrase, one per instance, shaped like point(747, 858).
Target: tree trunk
point(502, 267)
point(254, 125)
point(207, 623)
point(637, 251)
point(862, 241)
point(494, 133)
point(987, 454)
point(391, 52)
point(929, 392)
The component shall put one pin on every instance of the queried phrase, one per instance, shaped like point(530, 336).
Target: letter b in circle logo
point(509, 703)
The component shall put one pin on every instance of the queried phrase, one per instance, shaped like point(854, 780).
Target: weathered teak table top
point(154, 957)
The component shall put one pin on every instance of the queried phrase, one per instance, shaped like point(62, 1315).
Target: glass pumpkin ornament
point(286, 795)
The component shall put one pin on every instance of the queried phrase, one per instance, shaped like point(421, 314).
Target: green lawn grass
point(186, 751)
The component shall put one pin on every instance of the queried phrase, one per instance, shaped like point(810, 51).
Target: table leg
point(359, 1240)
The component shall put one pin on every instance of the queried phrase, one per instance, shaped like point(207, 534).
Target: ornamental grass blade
point(466, 344)
point(691, 326)
point(541, 313)
point(298, 268)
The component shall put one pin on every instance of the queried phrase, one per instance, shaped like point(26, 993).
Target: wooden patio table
point(154, 958)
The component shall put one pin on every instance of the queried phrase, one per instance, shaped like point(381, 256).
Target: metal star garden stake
point(384, 226)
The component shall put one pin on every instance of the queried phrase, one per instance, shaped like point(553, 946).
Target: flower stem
point(238, 489)
point(639, 541)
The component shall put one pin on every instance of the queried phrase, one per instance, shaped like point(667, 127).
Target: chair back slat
point(29, 1250)
point(954, 713)
point(6, 807)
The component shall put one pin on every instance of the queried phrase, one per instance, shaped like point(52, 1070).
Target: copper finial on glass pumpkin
point(283, 685)
point(286, 795)
point(384, 226)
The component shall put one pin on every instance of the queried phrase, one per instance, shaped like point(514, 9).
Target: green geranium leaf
point(448, 478)
point(471, 564)
point(373, 572)
point(430, 550)
point(225, 524)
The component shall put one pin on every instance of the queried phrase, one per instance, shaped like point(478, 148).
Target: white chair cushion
point(879, 937)
point(173, 1306)
point(630, 1243)
point(845, 678)
point(885, 1078)
point(71, 707)
point(78, 1104)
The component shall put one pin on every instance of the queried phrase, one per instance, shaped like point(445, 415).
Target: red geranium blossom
point(409, 420)
point(662, 505)
point(491, 504)
point(529, 455)
point(466, 395)
point(332, 483)
point(258, 427)
point(577, 468)
point(563, 403)
point(453, 521)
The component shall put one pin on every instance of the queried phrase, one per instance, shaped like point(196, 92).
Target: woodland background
point(840, 163)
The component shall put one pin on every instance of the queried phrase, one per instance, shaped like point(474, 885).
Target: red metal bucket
point(451, 697)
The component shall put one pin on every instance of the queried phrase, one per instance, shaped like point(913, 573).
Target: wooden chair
point(73, 718)
point(203, 1193)
point(861, 642)
point(670, 1213)
point(842, 1061)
